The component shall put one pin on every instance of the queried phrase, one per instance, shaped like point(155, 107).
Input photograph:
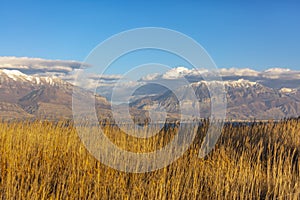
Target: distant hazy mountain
point(245, 100)
point(276, 78)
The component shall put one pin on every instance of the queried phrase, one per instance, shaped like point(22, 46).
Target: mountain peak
point(16, 75)
point(240, 83)
point(237, 83)
point(13, 74)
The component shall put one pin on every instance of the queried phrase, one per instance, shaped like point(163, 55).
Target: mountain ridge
point(25, 96)
point(34, 97)
point(246, 100)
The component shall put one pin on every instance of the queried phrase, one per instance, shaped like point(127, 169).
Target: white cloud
point(105, 77)
point(281, 73)
point(235, 73)
point(277, 70)
point(150, 77)
point(175, 73)
point(66, 70)
point(238, 72)
point(180, 72)
point(38, 65)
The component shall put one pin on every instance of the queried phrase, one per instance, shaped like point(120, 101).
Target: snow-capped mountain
point(16, 75)
point(234, 84)
point(32, 96)
point(246, 100)
point(15, 84)
point(24, 96)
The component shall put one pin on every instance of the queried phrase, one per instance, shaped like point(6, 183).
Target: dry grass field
point(45, 160)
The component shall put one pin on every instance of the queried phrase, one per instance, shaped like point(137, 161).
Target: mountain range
point(246, 100)
point(32, 97)
point(40, 97)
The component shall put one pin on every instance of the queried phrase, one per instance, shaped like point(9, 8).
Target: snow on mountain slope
point(15, 75)
point(238, 83)
point(287, 90)
point(245, 100)
point(25, 96)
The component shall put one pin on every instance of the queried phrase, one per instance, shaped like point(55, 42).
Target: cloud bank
point(63, 69)
point(37, 65)
point(272, 73)
point(66, 70)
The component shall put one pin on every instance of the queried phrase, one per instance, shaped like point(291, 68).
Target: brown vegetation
point(43, 160)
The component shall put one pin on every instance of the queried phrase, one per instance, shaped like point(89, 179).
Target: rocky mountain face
point(246, 100)
point(32, 97)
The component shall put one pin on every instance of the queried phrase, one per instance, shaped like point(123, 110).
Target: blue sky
point(255, 34)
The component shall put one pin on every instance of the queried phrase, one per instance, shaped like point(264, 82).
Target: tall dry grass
point(43, 160)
